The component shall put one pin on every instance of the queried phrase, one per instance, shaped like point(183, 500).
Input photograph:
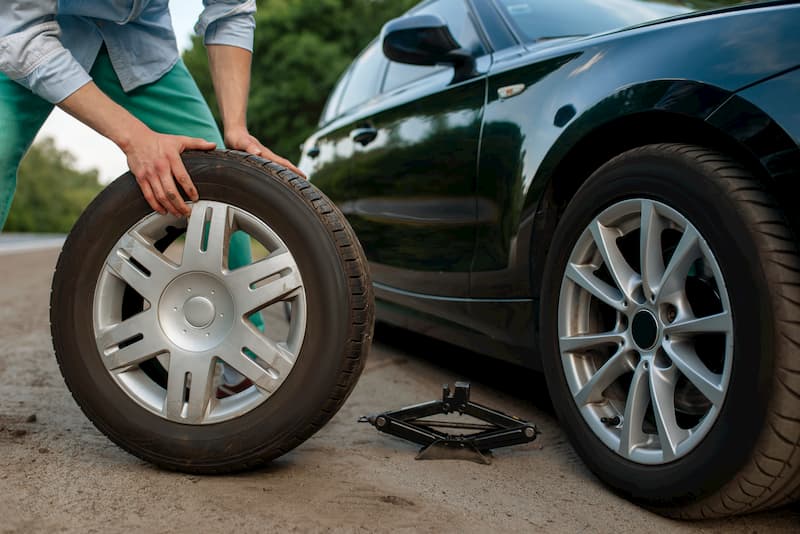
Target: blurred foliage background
point(51, 192)
point(301, 49)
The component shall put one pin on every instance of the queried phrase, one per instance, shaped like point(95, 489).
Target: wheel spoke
point(583, 342)
point(689, 363)
point(652, 262)
point(632, 434)
point(273, 361)
point(276, 263)
point(662, 395)
point(249, 299)
point(251, 369)
point(615, 367)
point(190, 387)
point(141, 266)
point(139, 336)
point(717, 323)
point(681, 261)
point(583, 275)
point(623, 275)
point(272, 353)
point(207, 237)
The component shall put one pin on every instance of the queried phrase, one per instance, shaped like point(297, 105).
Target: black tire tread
point(778, 446)
point(361, 319)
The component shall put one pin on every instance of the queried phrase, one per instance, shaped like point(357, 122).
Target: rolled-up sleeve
point(31, 52)
point(227, 22)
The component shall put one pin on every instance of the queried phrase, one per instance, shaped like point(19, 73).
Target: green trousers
point(171, 105)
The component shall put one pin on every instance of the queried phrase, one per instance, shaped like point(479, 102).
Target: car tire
point(743, 454)
point(296, 391)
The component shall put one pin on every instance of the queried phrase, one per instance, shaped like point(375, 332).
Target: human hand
point(242, 140)
point(155, 160)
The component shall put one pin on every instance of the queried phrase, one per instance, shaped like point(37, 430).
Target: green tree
point(301, 48)
point(51, 192)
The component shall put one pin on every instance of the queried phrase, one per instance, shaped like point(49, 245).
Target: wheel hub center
point(196, 311)
point(199, 311)
point(644, 330)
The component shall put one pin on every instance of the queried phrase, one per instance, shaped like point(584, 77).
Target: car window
point(537, 20)
point(400, 74)
point(332, 105)
point(494, 25)
point(364, 81)
point(456, 14)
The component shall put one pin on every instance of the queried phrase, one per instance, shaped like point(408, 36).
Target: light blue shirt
point(49, 46)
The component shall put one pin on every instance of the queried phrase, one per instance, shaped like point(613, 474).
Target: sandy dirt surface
point(57, 473)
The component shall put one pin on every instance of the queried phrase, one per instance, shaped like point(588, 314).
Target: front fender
point(680, 98)
point(764, 120)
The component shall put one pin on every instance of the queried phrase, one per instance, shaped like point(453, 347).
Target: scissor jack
point(496, 429)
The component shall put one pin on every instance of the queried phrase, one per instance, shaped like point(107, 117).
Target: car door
point(413, 169)
point(326, 154)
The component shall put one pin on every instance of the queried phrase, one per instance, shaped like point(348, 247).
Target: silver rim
point(645, 331)
point(194, 322)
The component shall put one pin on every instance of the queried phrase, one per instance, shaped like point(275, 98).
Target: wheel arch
point(769, 153)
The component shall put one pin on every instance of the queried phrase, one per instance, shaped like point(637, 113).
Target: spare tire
point(149, 320)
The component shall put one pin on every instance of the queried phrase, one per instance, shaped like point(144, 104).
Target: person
point(114, 65)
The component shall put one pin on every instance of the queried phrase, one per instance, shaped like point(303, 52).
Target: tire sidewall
point(690, 188)
point(274, 424)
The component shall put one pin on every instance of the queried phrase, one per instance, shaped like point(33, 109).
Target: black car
point(605, 191)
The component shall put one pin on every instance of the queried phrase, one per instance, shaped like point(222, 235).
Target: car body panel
point(712, 71)
point(574, 88)
point(420, 207)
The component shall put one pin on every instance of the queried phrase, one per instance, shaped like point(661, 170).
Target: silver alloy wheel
point(645, 331)
point(195, 316)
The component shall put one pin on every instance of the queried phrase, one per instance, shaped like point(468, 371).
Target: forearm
point(230, 73)
point(92, 107)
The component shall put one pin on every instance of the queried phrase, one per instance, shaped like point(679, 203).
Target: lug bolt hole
point(668, 313)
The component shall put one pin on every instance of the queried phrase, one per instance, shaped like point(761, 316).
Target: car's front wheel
point(670, 333)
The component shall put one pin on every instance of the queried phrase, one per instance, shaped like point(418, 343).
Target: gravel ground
point(57, 473)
